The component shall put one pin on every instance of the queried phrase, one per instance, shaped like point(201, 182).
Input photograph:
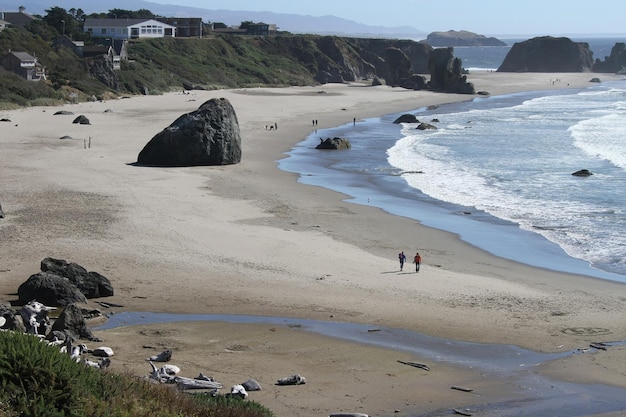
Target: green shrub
point(36, 380)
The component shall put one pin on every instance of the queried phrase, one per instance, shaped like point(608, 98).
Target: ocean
point(497, 171)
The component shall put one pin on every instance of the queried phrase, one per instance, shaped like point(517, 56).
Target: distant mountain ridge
point(323, 25)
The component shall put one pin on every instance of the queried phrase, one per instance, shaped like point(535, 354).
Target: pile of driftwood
point(168, 374)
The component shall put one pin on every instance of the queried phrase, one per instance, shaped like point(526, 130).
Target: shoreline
point(383, 188)
point(249, 239)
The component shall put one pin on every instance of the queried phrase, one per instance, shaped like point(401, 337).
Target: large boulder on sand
point(91, 284)
point(72, 322)
point(207, 136)
point(49, 289)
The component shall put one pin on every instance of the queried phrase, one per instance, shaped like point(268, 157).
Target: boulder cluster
point(61, 283)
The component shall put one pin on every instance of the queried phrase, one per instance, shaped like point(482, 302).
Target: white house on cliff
point(128, 28)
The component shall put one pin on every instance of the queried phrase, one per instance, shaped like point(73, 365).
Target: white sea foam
point(515, 163)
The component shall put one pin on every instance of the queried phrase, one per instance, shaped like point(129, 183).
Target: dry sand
point(249, 239)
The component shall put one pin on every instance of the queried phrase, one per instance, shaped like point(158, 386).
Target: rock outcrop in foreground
point(207, 136)
point(548, 54)
point(461, 38)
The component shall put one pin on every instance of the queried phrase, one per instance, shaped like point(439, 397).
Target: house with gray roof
point(128, 28)
point(20, 18)
point(25, 65)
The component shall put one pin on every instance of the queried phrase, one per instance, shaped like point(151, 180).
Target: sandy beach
point(248, 239)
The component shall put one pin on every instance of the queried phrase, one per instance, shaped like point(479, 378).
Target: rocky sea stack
point(548, 54)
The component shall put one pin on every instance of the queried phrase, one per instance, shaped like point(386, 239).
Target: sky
point(486, 17)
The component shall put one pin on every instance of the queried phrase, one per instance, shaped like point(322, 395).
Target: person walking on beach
point(417, 260)
point(402, 258)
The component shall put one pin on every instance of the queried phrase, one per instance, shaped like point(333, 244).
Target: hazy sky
point(488, 17)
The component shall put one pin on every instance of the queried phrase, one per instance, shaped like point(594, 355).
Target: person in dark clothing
point(402, 259)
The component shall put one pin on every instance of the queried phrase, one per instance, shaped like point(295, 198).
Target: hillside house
point(25, 65)
point(261, 29)
point(20, 18)
point(75, 46)
point(186, 27)
point(254, 29)
point(115, 49)
point(128, 28)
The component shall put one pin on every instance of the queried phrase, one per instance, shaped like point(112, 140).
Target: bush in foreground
point(36, 380)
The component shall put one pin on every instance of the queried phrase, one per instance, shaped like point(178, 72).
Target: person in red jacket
point(417, 260)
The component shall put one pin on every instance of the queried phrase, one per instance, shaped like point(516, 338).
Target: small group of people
point(417, 260)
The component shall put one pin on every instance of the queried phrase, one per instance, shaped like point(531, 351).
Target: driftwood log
point(416, 365)
point(458, 388)
point(189, 383)
point(601, 346)
point(292, 380)
point(462, 412)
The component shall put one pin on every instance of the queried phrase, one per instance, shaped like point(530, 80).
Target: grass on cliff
point(36, 380)
point(216, 62)
point(158, 65)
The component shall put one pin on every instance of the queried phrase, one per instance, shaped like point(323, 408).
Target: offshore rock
point(461, 38)
point(406, 118)
point(207, 136)
point(614, 63)
point(548, 54)
point(334, 143)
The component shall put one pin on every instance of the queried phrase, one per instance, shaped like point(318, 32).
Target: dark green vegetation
point(36, 380)
point(156, 65)
point(215, 62)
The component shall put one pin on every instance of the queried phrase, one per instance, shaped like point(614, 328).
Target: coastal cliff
point(222, 61)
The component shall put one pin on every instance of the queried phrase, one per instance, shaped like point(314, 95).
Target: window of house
point(103, 31)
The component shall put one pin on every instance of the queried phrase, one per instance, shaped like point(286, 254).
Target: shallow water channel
point(538, 396)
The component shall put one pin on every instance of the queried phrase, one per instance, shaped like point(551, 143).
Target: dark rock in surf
point(406, 118)
point(334, 143)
